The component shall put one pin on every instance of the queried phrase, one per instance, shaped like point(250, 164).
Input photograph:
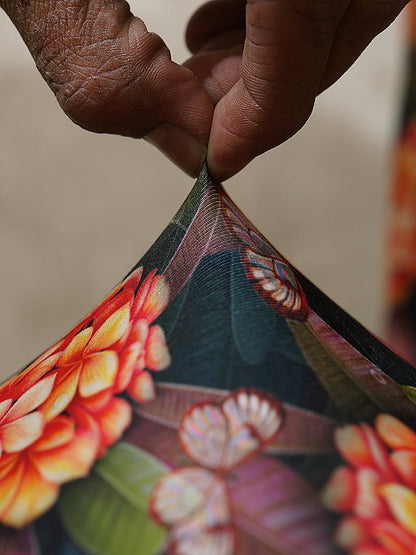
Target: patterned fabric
point(216, 402)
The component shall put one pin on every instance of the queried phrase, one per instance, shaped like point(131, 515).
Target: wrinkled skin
point(250, 84)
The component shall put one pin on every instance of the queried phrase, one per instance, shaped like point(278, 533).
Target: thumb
point(285, 54)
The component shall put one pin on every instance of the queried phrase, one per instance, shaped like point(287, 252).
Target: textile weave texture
point(216, 402)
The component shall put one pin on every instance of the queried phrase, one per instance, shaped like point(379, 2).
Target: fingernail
point(183, 149)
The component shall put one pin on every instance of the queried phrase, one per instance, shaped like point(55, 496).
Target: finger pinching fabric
point(215, 403)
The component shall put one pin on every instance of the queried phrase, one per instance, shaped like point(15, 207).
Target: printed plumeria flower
point(145, 347)
point(62, 412)
point(194, 502)
point(20, 423)
point(376, 491)
point(113, 347)
point(30, 480)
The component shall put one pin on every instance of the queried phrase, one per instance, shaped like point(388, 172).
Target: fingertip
point(183, 149)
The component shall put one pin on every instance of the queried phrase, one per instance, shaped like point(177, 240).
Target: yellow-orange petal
point(111, 331)
point(30, 376)
point(156, 299)
point(404, 463)
point(31, 399)
point(142, 293)
point(22, 432)
point(59, 431)
point(141, 388)
point(157, 353)
point(7, 462)
point(127, 364)
point(351, 532)
point(10, 482)
point(68, 462)
point(393, 537)
point(351, 443)
point(76, 348)
point(62, 394)
point(4, 407)
point(340, 491)
point(97, 402)
point(33, 497)
point(368, 502)
point(114, 420)
point(74, 459)
point(396, 434)
point(98, 373)
point(402, 503)
point(378, 453)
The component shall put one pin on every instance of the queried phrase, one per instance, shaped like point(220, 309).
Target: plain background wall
point(77, 210)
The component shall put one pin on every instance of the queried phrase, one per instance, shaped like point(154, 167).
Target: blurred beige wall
point(77, 210)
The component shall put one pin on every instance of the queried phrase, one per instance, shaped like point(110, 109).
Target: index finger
point(287, 46)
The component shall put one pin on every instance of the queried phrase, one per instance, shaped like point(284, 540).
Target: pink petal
point(22, 432)
point(111, 331)
point(31, 399)
point(33, 497)
point(157, 354)
point(98, 373)
point(75, 349)
point(62, 394)
point(142, 388)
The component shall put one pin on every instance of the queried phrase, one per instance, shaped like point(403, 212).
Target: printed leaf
point(302, 431)
point(253, 323)
point(277, 511)
point(107, 513)
point(356, 386)
point(214, 343)
point(410, 392)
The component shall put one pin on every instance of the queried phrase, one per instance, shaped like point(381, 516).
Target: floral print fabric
point(216, 402)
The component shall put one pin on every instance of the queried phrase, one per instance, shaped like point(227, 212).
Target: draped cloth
point(216, 402)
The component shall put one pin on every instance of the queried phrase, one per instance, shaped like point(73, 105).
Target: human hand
point(110, 75)
point(263, 62)
point(262, 68)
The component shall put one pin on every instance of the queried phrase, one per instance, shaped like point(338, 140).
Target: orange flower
point(40, 448)
point(20, 422)
point(30, 480)
point(112, 346)
point(377, 490)
point(145, 346)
